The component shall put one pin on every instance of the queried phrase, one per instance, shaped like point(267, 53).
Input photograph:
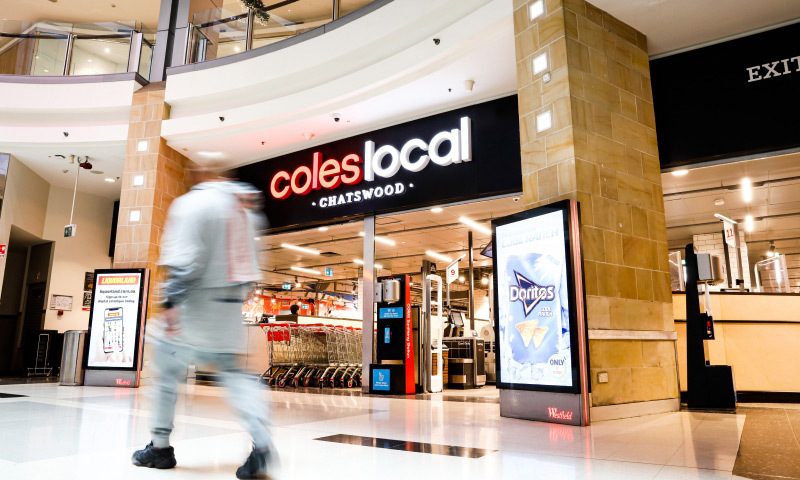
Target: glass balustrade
point(233, 28)
point(48, 48)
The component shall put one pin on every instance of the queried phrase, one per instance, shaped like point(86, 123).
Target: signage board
point(730, 234)
point(119, 303)
point(452, 272)
point(287, 286)
point(464, 154)
point(540, 319)
point(381, 379)
point(728, 100)
point(328, 271)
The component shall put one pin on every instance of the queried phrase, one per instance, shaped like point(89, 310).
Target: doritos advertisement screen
point(533, 302)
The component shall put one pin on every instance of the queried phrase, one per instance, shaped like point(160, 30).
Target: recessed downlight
point(437, 209)
point(680, 173)
point(747, 190)
point(110, 180)
point(322, 229)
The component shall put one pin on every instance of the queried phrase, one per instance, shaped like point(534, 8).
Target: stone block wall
point(601, 149)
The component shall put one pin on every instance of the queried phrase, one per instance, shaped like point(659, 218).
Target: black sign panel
point(464, 154)
point(728, 100)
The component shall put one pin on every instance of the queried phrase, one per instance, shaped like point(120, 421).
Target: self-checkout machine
point(709, 386)
point(393, 372)
point(540, 319)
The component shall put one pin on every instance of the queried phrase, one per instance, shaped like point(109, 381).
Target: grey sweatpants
point(243, 393)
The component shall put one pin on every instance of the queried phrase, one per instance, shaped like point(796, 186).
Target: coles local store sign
point(464, 154)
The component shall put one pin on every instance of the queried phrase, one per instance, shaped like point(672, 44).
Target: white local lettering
point(772, 69)
point(460, 140)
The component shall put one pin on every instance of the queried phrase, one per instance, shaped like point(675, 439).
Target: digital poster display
point(535, 299)
point(115, 319)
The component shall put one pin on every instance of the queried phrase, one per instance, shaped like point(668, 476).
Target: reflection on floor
point(90, 432)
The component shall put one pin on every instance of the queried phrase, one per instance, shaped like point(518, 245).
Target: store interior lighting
point(361, 262)
point(474, 225)
point(749, 224)
point(747, 190)
point(461, 279)
point(438, 256)
point(306, 270)
point(680, 173)
point(300, 249)
point(437, 209)
point(383, 240)
point(485, 281)
point(771, 251)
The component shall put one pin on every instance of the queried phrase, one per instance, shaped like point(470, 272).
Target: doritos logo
point(119, 280)
point(529, 293)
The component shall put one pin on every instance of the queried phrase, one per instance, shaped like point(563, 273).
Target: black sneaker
point(154, 457)
point(256, 464)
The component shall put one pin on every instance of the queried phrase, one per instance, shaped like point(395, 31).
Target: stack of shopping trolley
point(313, 355)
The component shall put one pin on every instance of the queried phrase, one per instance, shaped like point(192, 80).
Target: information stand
point(116, 327)
point(394, 372)
point(541, 337)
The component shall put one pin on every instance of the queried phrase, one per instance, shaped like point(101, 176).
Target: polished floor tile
point(90, 432)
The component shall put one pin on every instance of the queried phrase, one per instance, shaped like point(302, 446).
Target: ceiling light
point(537, 8)
point(236, 49)
point(383, 240)
point(680, 173)
point(749, 225)
point(437, 209)
point(300, 249)
point(474, 225)
point(322, 229)
point(89, 60)
point(718, 202)
point(747, 190)
point(770, 254)
point(111, 180)
point(461, 279)
point(107, 50)
point(438, 256)
point(361, 262)
point(484, 281)
point(46, 70)
point(306, 270)
point(210, 154)
point(297, 285)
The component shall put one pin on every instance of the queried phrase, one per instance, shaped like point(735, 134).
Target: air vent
point(329, 254)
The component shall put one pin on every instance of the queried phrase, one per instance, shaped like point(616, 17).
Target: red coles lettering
point(328, 175)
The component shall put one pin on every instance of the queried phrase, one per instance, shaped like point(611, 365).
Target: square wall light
point(135, 216)
point(141, 146)
point(537, 9)
point(544, 121)
point(138, 180)
point(540, 64)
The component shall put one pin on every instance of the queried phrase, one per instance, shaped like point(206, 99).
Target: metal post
point(335, 10)
point(367, 302)
point(424, 330)
point(68, 53)
point(135, 52)
point(738, 252)
point(248, 39)
point(471, 284)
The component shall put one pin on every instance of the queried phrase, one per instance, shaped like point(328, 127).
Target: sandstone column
point(599, 147)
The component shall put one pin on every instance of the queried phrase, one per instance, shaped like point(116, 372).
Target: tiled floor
point(90, 432)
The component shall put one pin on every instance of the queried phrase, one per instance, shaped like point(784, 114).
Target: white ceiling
point(675, 24)
point(82, 11)
point(108, 158)
point(693, 213)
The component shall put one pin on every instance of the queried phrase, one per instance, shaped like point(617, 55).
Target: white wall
point(24, 205)
point(75, 256)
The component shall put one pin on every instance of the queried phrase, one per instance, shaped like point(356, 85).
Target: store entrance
point(319, 271)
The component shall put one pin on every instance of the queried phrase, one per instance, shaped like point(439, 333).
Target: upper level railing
point(235, 28)
point(52, 48)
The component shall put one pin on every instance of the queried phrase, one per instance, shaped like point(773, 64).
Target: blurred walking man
point(210, 254)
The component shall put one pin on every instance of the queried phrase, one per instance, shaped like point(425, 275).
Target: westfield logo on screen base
point(383, 162)
point(553, 412)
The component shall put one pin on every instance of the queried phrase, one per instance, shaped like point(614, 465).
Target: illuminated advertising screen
point(115, 319)
point(535, 299)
